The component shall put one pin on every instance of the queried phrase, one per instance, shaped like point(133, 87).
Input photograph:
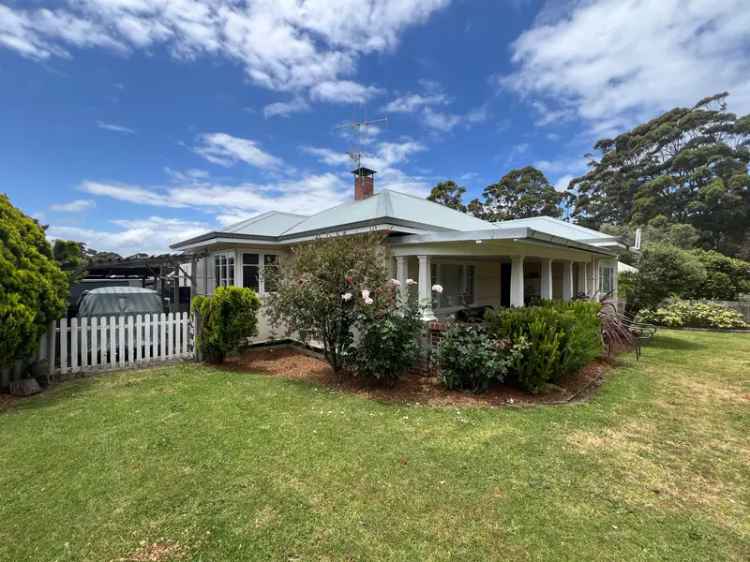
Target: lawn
point(194, 463)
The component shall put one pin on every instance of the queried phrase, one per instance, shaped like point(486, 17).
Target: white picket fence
point(100, 343)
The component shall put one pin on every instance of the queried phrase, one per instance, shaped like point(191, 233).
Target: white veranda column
point(401, 275)
point(567, 280)
point(582, 280)
point(516, 282)
point(595, 277)
point(425, 288)
point(546, 280)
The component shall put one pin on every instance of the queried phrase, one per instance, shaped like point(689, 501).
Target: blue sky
point(131, 124)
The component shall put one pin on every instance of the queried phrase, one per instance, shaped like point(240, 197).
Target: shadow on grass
point(661, 341)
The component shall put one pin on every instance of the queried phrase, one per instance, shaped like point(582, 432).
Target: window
point(457, 281)
point(606, 279)
point(258, 272)
point(270, 269)
point(251, 271)
point(224, 270)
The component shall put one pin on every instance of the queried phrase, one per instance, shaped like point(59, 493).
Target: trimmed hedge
point(556, 338)
point(689, 314)
point(227, 317)
point(470, 359)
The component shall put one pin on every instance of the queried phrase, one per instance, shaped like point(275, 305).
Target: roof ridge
point(425, 200)
point(345, 203)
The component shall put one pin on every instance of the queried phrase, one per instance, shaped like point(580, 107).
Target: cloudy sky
point(130, 124)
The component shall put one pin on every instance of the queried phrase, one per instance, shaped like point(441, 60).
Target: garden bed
point(289, 362)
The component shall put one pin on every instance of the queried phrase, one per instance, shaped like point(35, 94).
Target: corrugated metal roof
point(556, 227)
point(272, 223)
point(385, 205)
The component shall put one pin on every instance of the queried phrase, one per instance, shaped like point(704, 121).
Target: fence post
point(52, 347)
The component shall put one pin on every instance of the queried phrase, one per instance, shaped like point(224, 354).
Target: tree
point(33, 289)
point(521, 193)
point(663, 271)
point(319, 289)
point(688, 165)
point(450, 194)
point(71, 257)
point(726, 278)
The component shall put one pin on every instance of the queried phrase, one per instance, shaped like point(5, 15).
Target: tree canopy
point(450, 194)
point(688, 165)
point(521, 193)
point(33, 288)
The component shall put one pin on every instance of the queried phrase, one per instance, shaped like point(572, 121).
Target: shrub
point(726, 278)
point(389, 328)
point(689, 314)
point(33, 289)
point(227, 317)
point(663, 270)
point(308, 299)
point(555, 338)
point(470, 359)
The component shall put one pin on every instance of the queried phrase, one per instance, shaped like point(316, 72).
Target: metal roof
point(389, 206)
point(272, 223)
point(385, 207)
point(557, 227)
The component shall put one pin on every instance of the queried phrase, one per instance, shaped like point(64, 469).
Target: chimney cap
point(362, 171)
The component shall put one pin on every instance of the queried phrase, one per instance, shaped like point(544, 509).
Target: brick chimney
point(364, 183)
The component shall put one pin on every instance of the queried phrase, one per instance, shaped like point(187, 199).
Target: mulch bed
point(291, 363)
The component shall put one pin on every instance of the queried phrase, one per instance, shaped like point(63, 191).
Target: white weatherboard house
point(477, 262)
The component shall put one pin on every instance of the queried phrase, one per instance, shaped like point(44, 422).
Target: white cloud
point(285, 108)
point(226, 150)
point(309, 194)
point(439, 121)
point(187, 176)
point(283, 45)
point(384, 160)
point(151, 235)
point(328, 156)
point(343, 91)
point(115, 128)
point(77, 206)
point(412, 102)
point(614, 63)
point(562, 182)
point(129, 193)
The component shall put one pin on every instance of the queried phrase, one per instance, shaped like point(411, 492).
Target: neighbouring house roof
point(390, 208)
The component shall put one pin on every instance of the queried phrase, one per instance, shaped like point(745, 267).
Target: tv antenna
point(359, 128)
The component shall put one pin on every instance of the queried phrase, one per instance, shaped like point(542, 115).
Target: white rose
point(346, 296)
point(437, 288)
point(411, 282)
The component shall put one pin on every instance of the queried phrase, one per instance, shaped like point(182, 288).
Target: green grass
point(249, 467)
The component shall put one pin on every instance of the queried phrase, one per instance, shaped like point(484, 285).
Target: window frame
point(610, 276)
point(240, 280)
point(220, 280)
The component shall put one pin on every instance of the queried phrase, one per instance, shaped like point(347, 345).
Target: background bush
point(388, 335)
point(555, 339)
point(688, 314)
point(226, 318)
point(470, 359)
point(33, 289)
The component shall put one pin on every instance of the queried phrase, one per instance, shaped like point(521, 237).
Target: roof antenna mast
point(359, 127)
